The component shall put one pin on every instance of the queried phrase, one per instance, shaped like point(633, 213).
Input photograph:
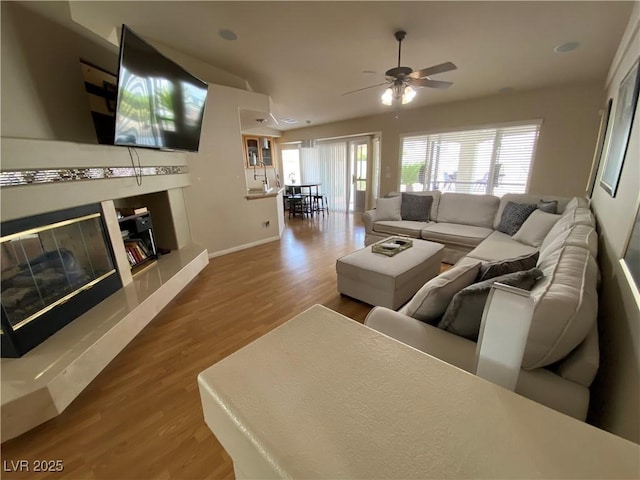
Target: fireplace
point(54, 267)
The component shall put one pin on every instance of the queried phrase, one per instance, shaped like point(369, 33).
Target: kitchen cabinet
point(258, 151)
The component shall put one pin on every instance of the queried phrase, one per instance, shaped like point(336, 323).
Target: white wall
point(615, 403)
point(43, 93)
point(220, 216)
point(565, 146)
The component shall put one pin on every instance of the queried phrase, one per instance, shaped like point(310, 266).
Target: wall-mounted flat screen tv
point(159, 104)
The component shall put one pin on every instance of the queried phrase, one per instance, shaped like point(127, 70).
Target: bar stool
point(320, 203)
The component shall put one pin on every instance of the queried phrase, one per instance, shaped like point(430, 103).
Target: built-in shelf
point(139, 241)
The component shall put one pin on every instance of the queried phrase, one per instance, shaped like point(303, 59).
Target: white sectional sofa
point(561, 356)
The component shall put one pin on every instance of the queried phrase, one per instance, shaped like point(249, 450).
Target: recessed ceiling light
point(228, 34)
point(566, 47)
point(369, 71)
point(506, 90)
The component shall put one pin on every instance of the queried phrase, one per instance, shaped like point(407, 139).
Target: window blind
point(327, 164)
point(492, 160)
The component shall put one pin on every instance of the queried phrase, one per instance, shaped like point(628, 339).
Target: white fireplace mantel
point(19, 154)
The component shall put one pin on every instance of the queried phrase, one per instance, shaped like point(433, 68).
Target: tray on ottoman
point(391, 246)
point(388, 281)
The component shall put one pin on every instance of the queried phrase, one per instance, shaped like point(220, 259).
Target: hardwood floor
point(141, 418)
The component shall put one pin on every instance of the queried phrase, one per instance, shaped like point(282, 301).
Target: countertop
point(257, 194)
point(323, 396)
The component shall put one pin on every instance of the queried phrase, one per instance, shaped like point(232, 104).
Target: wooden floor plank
point(141, 418)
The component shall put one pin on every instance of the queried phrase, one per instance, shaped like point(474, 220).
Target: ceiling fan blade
point(365, 88)
point(425, 72)
point(425, 82)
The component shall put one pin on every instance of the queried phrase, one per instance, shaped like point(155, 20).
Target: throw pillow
point(464, 314)
point(510, 265)
point(535, 228)
point(549, 206)
point(431, 301)
point(388, 208)
point(416, 207)
point(514, 215)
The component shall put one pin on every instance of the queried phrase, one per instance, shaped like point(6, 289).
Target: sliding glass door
point(343, 167)
point(358, 162)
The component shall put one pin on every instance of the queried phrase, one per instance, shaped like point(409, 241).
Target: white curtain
point(309, 166)
point(327, 164)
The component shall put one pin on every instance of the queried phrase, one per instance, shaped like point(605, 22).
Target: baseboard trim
point(220, 253)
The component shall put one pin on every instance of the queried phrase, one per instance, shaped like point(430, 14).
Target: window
point(291, 165)
point(494, 160)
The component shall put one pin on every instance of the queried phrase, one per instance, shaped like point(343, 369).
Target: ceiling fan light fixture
point(408, 95)
point(387, 97)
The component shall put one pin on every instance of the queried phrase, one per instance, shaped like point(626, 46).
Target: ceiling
point(305, 55)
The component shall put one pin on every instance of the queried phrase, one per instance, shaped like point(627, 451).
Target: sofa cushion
point(464, 314)
point(576, 202)
point(499, 246)
point(570, 218)
point(513, 216)
point(454, 233)
point(510, 265)
point(435, 194)
point(415, 207)
point(548, 206)
point(468, 209)
point(566, 306)
point(579, 216)
point(528, 198)
point(388, 208)
point(535, 228)
point(581, 365)
point(400, 227)
point(582, 236)
point(431, 301)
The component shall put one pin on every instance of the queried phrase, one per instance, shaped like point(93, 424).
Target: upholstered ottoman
point(388, 281)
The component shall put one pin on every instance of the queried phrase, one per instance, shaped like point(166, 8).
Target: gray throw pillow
point(431, 301)
point(464, 314)
point(510, 265)
point(514, 215)
point(416, 207)
point(549, 206)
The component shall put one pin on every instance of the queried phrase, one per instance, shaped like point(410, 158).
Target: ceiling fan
point(402, 80)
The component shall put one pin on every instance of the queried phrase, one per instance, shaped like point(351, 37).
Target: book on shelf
point(135, 252)
point(132, 261)
point(127, 211)
point(139, 244)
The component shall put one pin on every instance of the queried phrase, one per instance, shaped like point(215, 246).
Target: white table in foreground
point(325, 397)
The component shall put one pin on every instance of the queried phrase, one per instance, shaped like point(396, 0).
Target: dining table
point(307, 190)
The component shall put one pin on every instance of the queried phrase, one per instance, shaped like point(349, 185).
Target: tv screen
point(159, 104)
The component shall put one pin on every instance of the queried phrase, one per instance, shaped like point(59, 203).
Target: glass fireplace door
point(44, 267)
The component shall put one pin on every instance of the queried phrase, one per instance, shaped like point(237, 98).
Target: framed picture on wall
point(597, 156)
point(618, 136)
point(630, 262)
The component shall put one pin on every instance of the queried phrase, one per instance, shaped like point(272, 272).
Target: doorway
point(358, 164)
